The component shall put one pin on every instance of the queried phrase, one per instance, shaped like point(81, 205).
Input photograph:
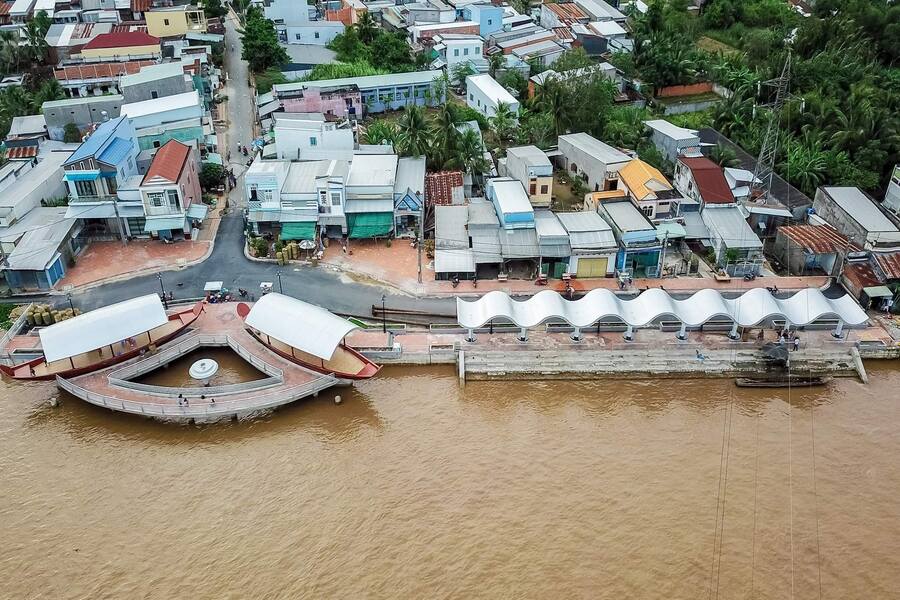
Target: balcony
point(91, 199)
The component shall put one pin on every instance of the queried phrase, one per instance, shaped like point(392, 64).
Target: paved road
point(228, 263)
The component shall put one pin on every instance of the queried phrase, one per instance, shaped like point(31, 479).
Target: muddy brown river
point(417, 488)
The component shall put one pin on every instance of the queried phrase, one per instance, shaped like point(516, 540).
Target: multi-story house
point(454, 49)
point(531, 167)
point(170, 192)
point(175, 21)
point(95, 171)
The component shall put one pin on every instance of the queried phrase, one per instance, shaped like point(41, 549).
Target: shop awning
point(154, 224)
point(197, 210)
point(671, 231)
point(81, 175)
point(879, 291)
point(303, 230)
point(366, 225)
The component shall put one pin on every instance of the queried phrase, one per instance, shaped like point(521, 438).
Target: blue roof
point(116, 152)
point(95, 142)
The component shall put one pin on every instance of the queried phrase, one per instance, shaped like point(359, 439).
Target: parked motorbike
point(749, 276)
point(454, 282)
point(242, 292)
point(475, 282)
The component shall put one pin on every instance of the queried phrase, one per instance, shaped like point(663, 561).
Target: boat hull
point(23, 371)
point(369, 369)
point(782, 383)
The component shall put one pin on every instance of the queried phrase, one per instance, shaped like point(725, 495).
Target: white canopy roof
point(306, 327)
point(102, 327)
point(751, 308)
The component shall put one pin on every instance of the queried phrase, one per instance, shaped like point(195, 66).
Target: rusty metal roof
point(817, 239)
point(888, 263)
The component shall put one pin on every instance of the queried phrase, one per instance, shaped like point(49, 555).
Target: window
point(85, 188)
point(154, 94)
point(544, 189)
point(479, 102)
point(155, 199)
point(335, 198)
point(166, 22)
point(156, 143)
point(297, 36)
point(267, 195)
point(173, 199)
point(317, 35)
point(471, 97)
point(490, 21)
point(131, 163)
point(466, 51)
point(313, 141)
point(532, 189)
point(456, 52)
point(647, 210)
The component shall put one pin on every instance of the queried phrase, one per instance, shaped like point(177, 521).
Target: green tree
point(576, 58)
point(469, 154)
point(35, 44)
point(10, 52)
point(460, 71)
point(496, 61)
point(214, 8)
point(724, 156)
point(553, 100)
point(349, 47)
point(211, 176)
point(390, 51)
point(71, 133)
point(503, 122)
point(444, 134)
point(260, 43)
point(414, 134)
point(49, 90)
point(367, 28)
point(381, 132)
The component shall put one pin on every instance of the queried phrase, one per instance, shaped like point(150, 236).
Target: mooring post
point(461, 364)
point(470, 335)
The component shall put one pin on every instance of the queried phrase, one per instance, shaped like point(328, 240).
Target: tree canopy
point(260, 43)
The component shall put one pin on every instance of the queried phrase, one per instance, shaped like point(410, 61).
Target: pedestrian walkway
point(105, 261)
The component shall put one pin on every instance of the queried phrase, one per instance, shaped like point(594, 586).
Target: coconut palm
point(15, 102)
point(553, 100)
point(468, 154)
point(496, 62)
point(445, 135)
point(724, 156)
point(462, 70)
point(503, 122)
point(414, 137)
point(382, 132)
point(806, 167)
point(9, 50)
point(50, 90)
point(35, 44)
point(366, 27)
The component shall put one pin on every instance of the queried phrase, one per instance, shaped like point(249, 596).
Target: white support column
point(629, 333)
point(734, 332)
point(470, 335)
point(682, 333)
point(576, 335)
point(839, 330)
point(523, 334)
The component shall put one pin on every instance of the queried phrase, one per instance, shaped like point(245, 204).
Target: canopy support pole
point(470, 335)
point(523, 334)
point(576, 335)
point(682, 333)
point(734, 332)
point(71, 362)
point(629, 332)
point(839, 330)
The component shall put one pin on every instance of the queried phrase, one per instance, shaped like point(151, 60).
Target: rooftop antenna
point(761, 185)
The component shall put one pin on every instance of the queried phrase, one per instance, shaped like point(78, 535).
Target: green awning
point(154, 224)
point(367, 225)
point(304, 230)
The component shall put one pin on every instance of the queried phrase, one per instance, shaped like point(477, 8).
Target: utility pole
point(119, 221)
point(761, 185)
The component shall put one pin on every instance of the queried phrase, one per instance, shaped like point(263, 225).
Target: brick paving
point(102, 261)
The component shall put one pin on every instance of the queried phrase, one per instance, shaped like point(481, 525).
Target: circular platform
point(204, 369)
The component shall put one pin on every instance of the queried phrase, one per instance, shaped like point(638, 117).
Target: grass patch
point(674, 101)
point(267, 79)
point(712, 45)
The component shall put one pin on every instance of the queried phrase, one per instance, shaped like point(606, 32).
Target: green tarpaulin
point(305, 230)
point(366, 225)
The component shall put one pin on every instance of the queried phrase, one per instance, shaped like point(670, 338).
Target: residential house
point(454, 49)
point(370, 195)
point(97, 11)
point(596, 163)
point(740, 182)
point(24, 191)
point(601, 11)
point(615, 37)
point(737, 248)
point(42, 255)
point(808, 248)
point(27, 128)
point(156, 81)
point(531, 167)
point(517, 233)
point(263, 181)
point(66, 40)
point(892, 195)
point(452, 255)
point(703, 180)
point(83, 112)
point(639, 245)
point(13, 170)
point(537, 81)
point(593, 244)
point(21, 10)
point(443, 188)
point(295, 25)
point(124, 44)
point(542, 52)
point(857, 216)
point(177, 117)
point(170, 192)
point(484, 94)
point(673, 141)
point(308, 136)
point(553, 244)
point(95, 171)
point(314, 194)
point(648, 188)
point(175, 21)
point(97, 79)
point(488, 16)
point(376, 93)
point(484, 238)
point(562, 15)
point(422, 36)
point(409, 200)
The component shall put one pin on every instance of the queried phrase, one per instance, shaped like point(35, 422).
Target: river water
point(417, 488)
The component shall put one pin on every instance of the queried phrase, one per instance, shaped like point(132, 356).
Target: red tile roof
point(818, 239)
point(122, 39)
point(168, 162)
point(4, 8)
point(710, 180)
point(101, 70)
point(140, 5)
point(20, 152)
point(888, 263)
point(439, 187)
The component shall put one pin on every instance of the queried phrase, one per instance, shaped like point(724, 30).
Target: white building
point(673, 141)
point(484, 94)
point(308, 136)
point(298, 26)
point(596, 163)
point(150, 113)
point(459, 48)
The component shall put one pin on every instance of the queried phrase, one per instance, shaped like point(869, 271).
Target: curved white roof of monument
point(304, 326)
point(751, 308)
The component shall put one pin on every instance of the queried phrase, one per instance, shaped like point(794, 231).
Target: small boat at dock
point(781, 382)
point(307, 335)
point(103, 337)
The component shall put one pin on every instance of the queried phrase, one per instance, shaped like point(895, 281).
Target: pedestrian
point(212, 400)
point(796, 343)
point(180, 401)
point(700, 356)
point(186, 403)
point(782, 340)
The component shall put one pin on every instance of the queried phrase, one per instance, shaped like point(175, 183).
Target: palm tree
point(724, 156)
point(496, 62)
point(36, 45)
point(14, 102)
point(445, 134)
point(469, 154)
point(9, 50)
point(503, 122)
point(461, 71)
point(366, 27)
point(414, 138)
point(50, 90)
point(554, 100)
point(382, 132)
point(806, 167)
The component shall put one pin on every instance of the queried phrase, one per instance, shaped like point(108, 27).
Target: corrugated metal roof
point(710, 180)
point(888, 263)
point(486, 246)
point(818, 239)
point(95, 142)
point(729, 224)
point(519, 243)
point(37, 248)
point(116, 151)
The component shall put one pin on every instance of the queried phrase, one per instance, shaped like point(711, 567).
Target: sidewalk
point(108, 261)
point(396, 266)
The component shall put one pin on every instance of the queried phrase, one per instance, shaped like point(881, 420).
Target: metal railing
point(14, 330)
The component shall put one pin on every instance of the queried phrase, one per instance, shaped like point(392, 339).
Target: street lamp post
point(162, 287)
point(280, 287)
point(72, 306)
point(383, 316)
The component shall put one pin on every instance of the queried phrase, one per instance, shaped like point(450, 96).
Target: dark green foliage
point(71, 133)
point(211, 176)
point(260, 43)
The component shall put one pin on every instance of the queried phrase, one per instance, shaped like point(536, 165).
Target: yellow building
point(121, 44)
point(648, 188)
point(175, 21)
